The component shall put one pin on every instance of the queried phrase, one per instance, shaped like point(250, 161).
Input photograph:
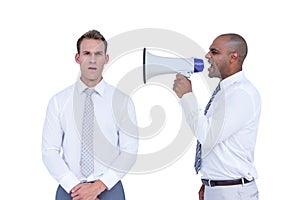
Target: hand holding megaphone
point(154, 65)
point(182, 85)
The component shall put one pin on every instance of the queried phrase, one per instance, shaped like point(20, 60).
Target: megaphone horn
point(154, 65)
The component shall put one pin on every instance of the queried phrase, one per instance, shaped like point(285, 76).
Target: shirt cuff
point(109, 179)
point(69, 181)
point(189, 103)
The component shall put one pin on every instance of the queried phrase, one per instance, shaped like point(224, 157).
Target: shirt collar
point(99, 88)
point(232, 79)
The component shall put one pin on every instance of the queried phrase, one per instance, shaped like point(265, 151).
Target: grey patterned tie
point(197, 164)
point(87, 157)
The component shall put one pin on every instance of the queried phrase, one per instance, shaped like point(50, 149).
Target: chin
point(93, 78)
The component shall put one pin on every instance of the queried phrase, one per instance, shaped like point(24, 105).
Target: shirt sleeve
point(128, 145)
point(195, 117)
point(51, 147)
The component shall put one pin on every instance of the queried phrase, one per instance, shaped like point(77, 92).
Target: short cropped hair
point(92, 34)
point(238, 44)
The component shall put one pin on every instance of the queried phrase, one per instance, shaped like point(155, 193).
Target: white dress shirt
point(229, 129)
point(115, 136)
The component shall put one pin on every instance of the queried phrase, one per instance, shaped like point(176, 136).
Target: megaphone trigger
point(186, 74)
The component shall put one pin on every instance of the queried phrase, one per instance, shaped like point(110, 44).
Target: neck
point(226, 74)
point(91, 83)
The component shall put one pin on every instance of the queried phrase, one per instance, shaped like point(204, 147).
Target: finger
point(76, 198)
point(179, 76)
point(77, 187)
point(175, 86)
point(74, 195)
point(76, 191)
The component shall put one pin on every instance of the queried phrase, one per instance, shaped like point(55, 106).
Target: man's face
point(92, 58)
point(217, 57)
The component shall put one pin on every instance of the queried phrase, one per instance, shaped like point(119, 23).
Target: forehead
point(92, 45)
point(219, 43)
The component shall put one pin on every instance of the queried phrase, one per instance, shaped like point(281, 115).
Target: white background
point(37, 48)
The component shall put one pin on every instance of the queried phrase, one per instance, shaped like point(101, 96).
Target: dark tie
point(198, 148)
point(87, 158)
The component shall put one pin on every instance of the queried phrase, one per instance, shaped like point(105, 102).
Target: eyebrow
point(85, 51)
point(214, 49)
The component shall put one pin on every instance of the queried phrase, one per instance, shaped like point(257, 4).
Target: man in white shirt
point(226, 130)
point(110, 141)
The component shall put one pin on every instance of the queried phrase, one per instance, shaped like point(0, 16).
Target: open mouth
point(92, 68)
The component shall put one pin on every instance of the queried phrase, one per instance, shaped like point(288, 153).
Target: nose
point(92, 58)
point(207, 56)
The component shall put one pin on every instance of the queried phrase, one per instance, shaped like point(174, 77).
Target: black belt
point(212, 183)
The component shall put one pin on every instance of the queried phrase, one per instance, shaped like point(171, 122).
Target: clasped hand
point(88, 191)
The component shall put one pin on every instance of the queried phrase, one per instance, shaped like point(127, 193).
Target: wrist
point(100, 185)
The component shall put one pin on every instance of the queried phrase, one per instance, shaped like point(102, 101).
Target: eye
point(99, 53)
point(214, 52)
point(85, 53)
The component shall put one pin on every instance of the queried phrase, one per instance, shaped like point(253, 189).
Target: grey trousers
point(115, 193)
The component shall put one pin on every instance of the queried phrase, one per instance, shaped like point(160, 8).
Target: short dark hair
point(92, 34)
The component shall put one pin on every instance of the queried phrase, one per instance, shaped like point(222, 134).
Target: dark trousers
point(115, 193)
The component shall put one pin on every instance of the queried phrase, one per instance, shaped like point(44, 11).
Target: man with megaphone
point(226, 129)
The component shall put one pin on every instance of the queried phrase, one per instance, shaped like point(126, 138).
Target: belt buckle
point(211, 183)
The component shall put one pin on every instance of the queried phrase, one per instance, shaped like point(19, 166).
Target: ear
point(106, 58)
point(77, 57)
point(234, 57)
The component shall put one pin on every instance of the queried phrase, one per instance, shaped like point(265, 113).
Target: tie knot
point(89, 91)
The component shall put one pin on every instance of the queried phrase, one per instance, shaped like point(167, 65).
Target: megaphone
point(154, 65)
